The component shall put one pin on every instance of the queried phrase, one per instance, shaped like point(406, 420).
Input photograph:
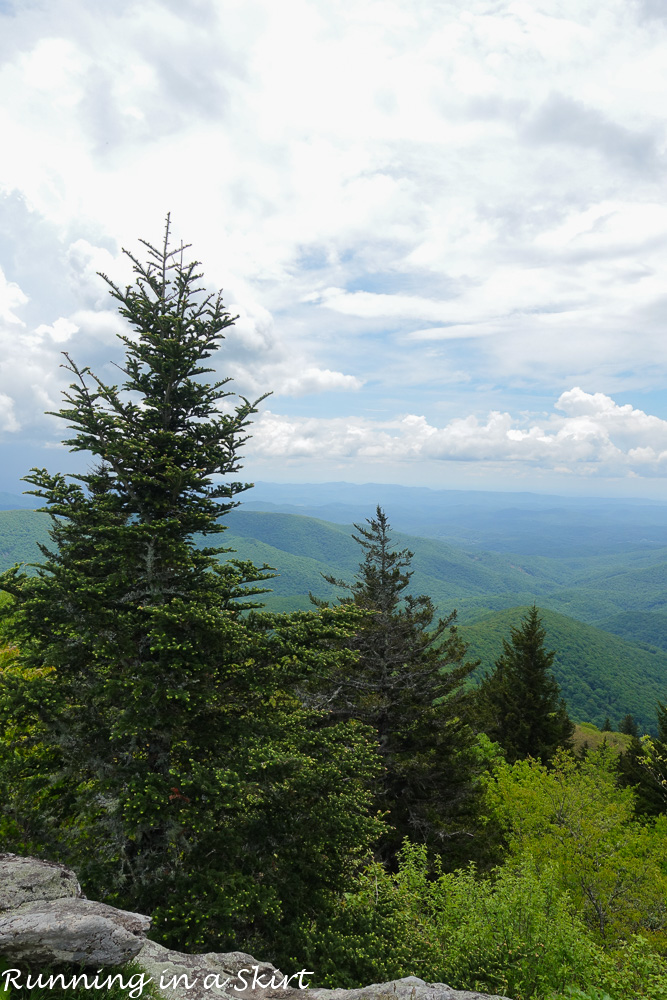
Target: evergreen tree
point(521, 705)
point(649, 782)
point(194, 784)
point(629, 726)
point(408, 684)
point(606, 725)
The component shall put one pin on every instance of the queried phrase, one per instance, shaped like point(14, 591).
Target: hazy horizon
point(13, 488)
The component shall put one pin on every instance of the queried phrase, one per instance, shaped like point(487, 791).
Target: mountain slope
point(645, 628)
point(599, 674)
point(20, 531)
point(449, 575)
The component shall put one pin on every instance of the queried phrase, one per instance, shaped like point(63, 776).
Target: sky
point(442, 225)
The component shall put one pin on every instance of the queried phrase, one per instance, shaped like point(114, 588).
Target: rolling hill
point(606, 615)
point(529, 524)
point(599, 674)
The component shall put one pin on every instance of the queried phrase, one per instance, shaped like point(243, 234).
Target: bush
point(573, 816)
point(631, 972)
point(515, 933)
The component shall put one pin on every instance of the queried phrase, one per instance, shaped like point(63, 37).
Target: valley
point(597, 569)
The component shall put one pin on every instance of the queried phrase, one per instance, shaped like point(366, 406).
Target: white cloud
point(31, 376)
point(291, 379)
point(11, 298)
point(595, 436)
point(8, 421)
point(395, 197)
point(60, 331)
point(85, 263)
point(314, 380)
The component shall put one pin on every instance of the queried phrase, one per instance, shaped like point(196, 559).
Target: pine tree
point(648, 780)
point(194, 784)
point(408, 684)
point(522, 708)
point(628, 726)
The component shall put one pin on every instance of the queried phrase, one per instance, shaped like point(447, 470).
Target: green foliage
point(156, 704)
point(520, 703)
point(574, 993)
point(644, 767)
point(407, 683)
point(598, 673)
point(31, 794)
point(515, 933)
point(574, 817)
point(586, 736)
point(628, 726)
point(127, 982)
point(632, 971)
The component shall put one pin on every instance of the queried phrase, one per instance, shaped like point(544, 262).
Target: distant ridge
point(344, 492)
point(584, 598)
point(530, 524)
point(14, 501)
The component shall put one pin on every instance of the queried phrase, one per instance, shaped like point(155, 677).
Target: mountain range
point(596, 568)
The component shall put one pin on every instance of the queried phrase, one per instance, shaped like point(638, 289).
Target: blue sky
point(443, 226)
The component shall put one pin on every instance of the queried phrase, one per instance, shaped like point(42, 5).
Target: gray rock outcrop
point(72, 930)
point(201, 977)
point(46, 919)
point(29, 880)
point(410, 988)
point(208, 976)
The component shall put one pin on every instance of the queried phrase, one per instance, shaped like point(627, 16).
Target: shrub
point(515, 933)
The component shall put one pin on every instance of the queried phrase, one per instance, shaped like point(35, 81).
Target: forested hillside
point(20, 533)
point(643, 627)
point(522, 523)
point(616, 667)
point(600, 675)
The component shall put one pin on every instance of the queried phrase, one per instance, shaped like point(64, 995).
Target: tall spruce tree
point(647, 772)
point(628, 726)
point(408, 684)
point(194, 784)
point(520, 700)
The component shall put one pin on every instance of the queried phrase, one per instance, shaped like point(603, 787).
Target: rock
point(410, 988)
point(167, 969)
point(72, 930)
point(203, 972)
point(45, 919)
point(29, 880)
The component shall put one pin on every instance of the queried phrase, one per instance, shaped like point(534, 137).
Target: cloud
point(594, 436)
point(255, 355)
point(562, 119)
point(32, 377)
point(475, 202)
point(85, 262)
point(60, 331)
point(291, 379)
point(315, 380)
point(11, 298)
point(8, 421)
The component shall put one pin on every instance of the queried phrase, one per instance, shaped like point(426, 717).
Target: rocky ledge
point(45, 919)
